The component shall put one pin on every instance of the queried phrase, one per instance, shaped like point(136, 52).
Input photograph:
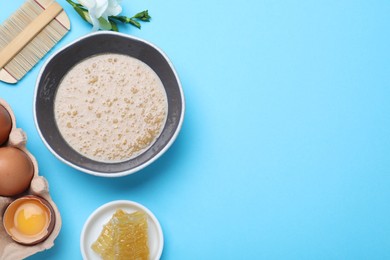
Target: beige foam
point(9, 249)
point(111, 107)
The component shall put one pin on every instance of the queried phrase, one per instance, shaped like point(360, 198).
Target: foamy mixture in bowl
point(111, 107)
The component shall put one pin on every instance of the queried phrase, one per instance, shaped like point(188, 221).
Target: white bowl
point(94, 225)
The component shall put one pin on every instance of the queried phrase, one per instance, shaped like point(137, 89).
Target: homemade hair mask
point(111, 107)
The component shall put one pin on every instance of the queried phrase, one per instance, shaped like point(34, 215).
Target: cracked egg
point(29, 220)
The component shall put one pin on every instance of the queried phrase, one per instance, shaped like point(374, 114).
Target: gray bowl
point(63, 60)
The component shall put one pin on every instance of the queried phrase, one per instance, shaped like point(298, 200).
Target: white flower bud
point(98, 9)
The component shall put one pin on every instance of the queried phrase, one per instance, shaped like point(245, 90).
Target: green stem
point(75, 4)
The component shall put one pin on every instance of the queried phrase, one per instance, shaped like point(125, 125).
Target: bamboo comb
point(28, 35)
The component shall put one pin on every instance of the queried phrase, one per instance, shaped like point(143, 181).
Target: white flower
point(99, 9)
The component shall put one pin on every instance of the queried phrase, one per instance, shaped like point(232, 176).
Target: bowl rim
point(139, 167)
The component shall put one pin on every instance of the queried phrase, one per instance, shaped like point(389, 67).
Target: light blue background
point(284, 152)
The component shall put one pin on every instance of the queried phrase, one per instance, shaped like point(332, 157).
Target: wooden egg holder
point(9, 249)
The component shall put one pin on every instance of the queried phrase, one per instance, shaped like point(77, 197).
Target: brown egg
point(29, 220)
point(5, 125)
point(16, 171)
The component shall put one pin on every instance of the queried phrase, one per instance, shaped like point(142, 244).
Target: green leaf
point(122, 19)
point(83, 13)
point(71, 3)
point(135, 23)
point(143, 16)
point(114, 26)
point(125, 19)
point(74, 4)
point(104, 24)
point(80, 10)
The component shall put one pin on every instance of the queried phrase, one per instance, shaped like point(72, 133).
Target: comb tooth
point(29, 58)
point(8, 31)
point(36, 49)
point(18, 66)
point(55, 31)
point(15, 24)
point(15, 68)
point(3, 40)
point(24, 16)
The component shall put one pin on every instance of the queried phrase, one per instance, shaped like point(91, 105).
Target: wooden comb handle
point(28, 33)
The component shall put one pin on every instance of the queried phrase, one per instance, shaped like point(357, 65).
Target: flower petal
point(88, 3)
point(95, 23)
point(113, 8)
point(100, 7)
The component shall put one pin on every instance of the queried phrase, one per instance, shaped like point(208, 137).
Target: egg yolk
point(31, 218)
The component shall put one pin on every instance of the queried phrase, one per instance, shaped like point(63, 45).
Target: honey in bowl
point(125, 237)
point(29, 220)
